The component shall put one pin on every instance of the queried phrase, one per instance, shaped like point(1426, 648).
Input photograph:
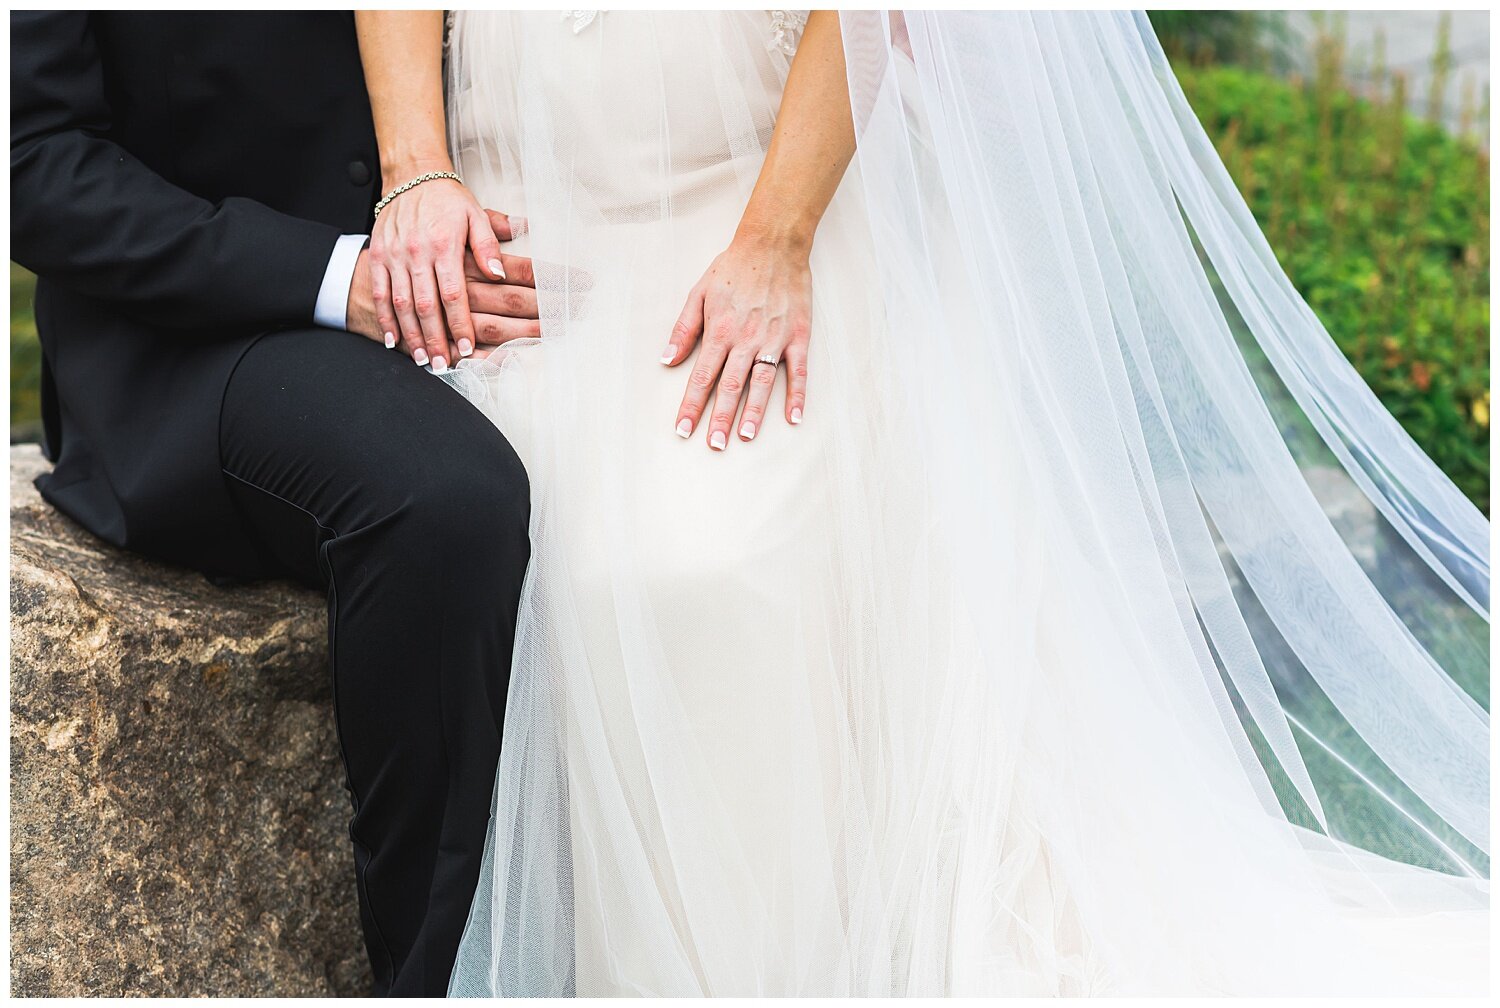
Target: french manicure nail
point(497, 269)
point(716, 440)
point(439, 365)
point(796, 414)
point(390, 341)
point(420, 356)
point(747, 430)
point(465, 348)
point(685, 428)
point(669, 354)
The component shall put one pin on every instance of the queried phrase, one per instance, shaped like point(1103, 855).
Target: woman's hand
point(755, 301)
point(756, 298)
point(417, 252)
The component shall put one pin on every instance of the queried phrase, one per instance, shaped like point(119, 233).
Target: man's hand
point(500, 310)
point(359, 315)
point(503, 311)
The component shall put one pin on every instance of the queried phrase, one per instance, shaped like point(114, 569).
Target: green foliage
point(25, 352)
point(1382, 223)
point(1245, 37)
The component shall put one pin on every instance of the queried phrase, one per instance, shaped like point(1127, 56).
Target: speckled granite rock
point(178, 815)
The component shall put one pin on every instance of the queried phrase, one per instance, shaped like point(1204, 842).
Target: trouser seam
point(245, 524)
point(326, 554)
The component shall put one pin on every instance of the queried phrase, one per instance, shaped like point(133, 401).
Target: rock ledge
point(178, 815)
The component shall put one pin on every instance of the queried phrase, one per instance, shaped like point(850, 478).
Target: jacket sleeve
point(91, 217)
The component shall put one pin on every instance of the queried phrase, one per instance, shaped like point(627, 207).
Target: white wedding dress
point(1097, 632)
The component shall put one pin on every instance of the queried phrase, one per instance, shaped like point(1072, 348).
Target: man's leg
point(362, 473)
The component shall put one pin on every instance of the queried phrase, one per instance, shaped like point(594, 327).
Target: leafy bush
point(25, 356)
point(1244, 37)
point(1382, 223)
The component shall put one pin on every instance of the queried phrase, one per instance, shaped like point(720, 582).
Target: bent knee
point(466, 497)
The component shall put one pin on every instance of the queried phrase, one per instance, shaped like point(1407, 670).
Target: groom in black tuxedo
point(193, 192)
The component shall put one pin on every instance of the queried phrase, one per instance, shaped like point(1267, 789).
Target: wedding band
point(767, 359)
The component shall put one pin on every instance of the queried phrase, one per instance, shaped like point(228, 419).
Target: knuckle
point(731, 385)
point(414, 247)
point(722, 334)
point(680, 328)
point(441, 244)
point(400, 302)
point(799, 369)
point(425, 306)
point(722, 420)
point(763, 376)
point(513, 302)
point(452, 293)
point(701, 380)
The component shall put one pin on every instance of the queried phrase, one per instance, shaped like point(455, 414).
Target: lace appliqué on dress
point(786, 26)
point(786, 29)
point(581, 18)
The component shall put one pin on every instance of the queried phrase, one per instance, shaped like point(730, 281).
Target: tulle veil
point(1160, 662)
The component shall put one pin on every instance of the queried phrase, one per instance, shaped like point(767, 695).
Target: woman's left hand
point(754, 302)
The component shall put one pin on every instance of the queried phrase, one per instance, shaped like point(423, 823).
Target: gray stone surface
point(1409, 39)
point(178, 814)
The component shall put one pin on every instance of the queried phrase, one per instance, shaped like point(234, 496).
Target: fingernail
point(497, 269)
point(439, 365)
point(669, 355)
point(796, 414)
point(747, 431)
point(465, 348)
point(420, 356)
point(716, 440)
point(390, 341)
point(685, 428)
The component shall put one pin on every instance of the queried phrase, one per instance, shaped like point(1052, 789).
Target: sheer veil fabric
point(1098, 632)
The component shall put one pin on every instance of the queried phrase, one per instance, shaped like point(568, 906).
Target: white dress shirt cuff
point(332, 308)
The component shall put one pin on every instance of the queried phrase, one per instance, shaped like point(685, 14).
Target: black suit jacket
point(178, 182)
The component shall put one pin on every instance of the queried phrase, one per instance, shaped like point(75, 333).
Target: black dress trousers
point(360, 473)
point(178, 183)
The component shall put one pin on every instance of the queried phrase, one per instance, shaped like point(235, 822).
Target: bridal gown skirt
point(759, 740)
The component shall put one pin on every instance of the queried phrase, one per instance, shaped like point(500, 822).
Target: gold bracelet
point(404, 186)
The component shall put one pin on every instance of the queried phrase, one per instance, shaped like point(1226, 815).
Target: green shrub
point(25, 352)
point(1244, 37)
point(1382, 223)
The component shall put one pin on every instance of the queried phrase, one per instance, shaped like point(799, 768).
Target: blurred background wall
point(1361, 141)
